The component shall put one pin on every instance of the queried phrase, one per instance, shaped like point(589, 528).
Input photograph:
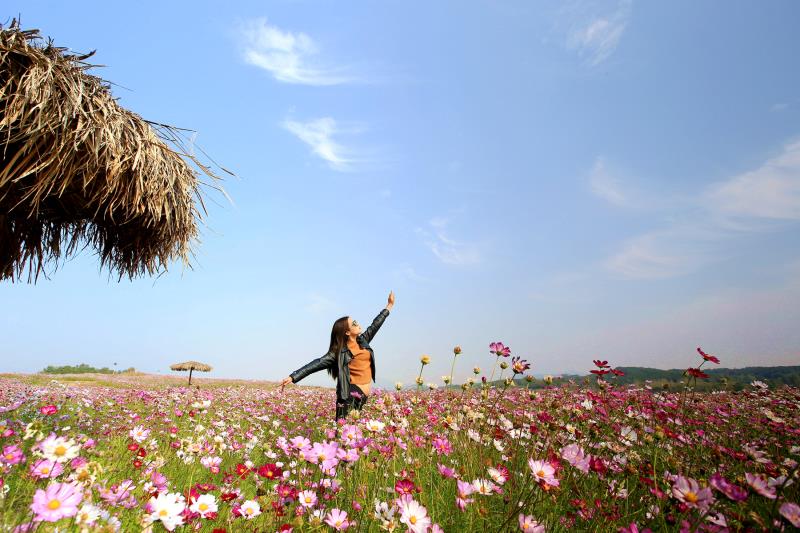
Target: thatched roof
point(77, 170)
point(191, 365)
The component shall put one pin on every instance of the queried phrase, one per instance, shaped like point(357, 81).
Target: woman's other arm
point(320, 363)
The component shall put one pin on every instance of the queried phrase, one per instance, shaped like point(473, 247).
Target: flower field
point(150, 454)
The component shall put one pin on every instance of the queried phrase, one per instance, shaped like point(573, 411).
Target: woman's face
point(354, 326)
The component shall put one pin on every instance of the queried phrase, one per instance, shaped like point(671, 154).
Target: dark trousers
point(344, 406)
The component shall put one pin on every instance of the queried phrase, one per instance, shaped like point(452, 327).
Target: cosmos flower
point(168, 508)
point(250, 509)
point(45, 468)
point(57, 501)
point(688, 491)
point(58, 448)
point(307, 498)
point(414, 516)
point(337, 519)
point(204, 505)
point(543, 472)
point(528, 525)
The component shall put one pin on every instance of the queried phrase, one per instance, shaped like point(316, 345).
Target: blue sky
point(615, 180)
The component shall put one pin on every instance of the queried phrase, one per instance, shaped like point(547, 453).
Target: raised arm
point(320, 363)
point(373, 328)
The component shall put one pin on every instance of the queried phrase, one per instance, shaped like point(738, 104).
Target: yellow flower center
point(540, 473)
point(691, 497)
point(413, 519)
point(308, 499)
point(9, 456)
point(60, 450)
point(82, 475)
point(53, 505)
point(46, 470)
point(322, 456)
point(203, 506)
point(163, 512)
point(338, 523)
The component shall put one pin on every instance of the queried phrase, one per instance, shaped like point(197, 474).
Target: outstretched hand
point(284, 382)
point(391, 300)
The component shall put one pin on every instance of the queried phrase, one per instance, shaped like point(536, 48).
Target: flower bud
point(476, 370)
point(398, 386)
point(503, 365)
point(420, 381)
point(457, 350)
point(425, 359)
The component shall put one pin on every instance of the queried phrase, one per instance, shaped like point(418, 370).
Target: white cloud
point(605, 185)
point(318, 303)
point(407, 272)
point(286, 55)
point(448, 250)
point(770, 191)
point(595, 37)
point(698, 230)
point(318, 134)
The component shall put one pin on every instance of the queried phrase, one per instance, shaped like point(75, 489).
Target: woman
point(350, 361)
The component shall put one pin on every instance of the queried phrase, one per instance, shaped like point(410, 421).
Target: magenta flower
point(497, 348)
point(337, 519)
point(12, 455)
point(446, 472)
point(791, 512)
point(59, 500)
point(442, 445)
point(519, 365)
point(759, 484)
point(734, 492)
point(688, 491)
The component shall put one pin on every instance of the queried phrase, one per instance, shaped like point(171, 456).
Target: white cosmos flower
point(375, 425)
point(59, 449)
point(87, 515)
point(168, 507)
point(250, 509)
point(204, 504)
point(139, 434)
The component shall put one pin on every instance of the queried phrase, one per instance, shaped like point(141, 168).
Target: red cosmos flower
point(205, 487)
point(270, 471)
point(600, 364)
point(220, 530)
point(242, 470)
point(48, 410)
point(133, 446)
point(707, 357)
point(617, 372)
point(228, 496)
point(405, 486)
point(285, 528)
point(191, 495)
point(696, 372)
point(142, 452)
point(600, 372)
point(286, 491)
point(137, 463)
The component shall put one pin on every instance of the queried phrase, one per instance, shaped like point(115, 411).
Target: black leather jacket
point(343, 359)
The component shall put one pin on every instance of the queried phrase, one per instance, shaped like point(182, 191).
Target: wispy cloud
point(318, 134)
point(594, 32)
point(605, 185)
point(770, 191)
point(407, 272)
point(317, 303)
point(286, 55)
point(446, 249)
point(697, 232)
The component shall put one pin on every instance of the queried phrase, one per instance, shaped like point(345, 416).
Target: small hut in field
point(79, 171)
point(191, 366)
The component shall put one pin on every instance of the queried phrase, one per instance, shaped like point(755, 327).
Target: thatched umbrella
point(78, 170)
point(191, 366)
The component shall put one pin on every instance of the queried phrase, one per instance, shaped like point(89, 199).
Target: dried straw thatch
point(191, 366)
point(77, 170)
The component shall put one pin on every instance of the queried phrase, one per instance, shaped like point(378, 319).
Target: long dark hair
point(338, 343)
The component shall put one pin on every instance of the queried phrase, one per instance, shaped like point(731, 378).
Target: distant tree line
point(719, 378)
point(83, 368)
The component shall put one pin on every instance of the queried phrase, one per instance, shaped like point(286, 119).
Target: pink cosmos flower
point(45, 468)
point(734, 492)
point(543, 471)
point(464, 490)
point(760, 484)
point(791, 512)
point(337, 519)
point(59, 500)
point(498, 348)
point(48, 410)
point(307, 498)
point(528, 525)
point(445, 471)
point(574, 455)
point(688, 491)
point(442, 445)
point(12, 455)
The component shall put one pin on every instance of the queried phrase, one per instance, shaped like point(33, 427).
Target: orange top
point(360, 371)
